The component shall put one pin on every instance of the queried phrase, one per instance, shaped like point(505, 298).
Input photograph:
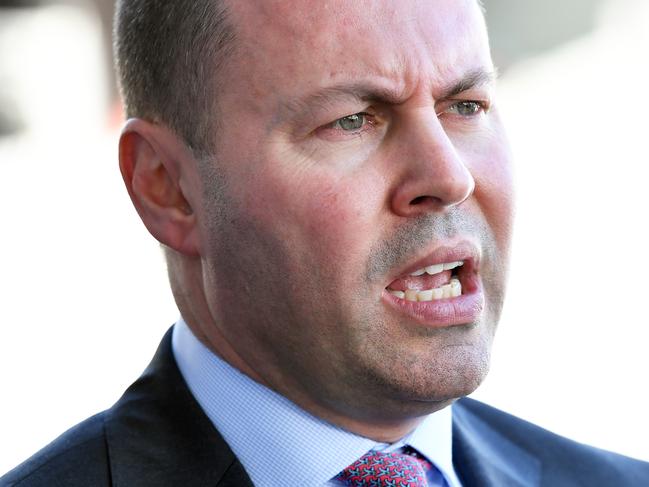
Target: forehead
point(307, 44)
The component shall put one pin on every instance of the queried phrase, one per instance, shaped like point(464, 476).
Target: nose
point(432, 177)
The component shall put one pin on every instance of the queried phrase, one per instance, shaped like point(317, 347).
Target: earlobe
point(157, 169)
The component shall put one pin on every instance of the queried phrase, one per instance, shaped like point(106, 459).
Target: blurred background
point(83, 287)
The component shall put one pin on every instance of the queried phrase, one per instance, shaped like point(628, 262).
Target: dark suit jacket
point(157, 435)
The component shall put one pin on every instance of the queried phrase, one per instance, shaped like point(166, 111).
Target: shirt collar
point(277, 442)
point(433, 438)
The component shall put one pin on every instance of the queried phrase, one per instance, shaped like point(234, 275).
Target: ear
point(160, 175)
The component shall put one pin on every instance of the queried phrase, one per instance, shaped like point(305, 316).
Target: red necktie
point(376, 469)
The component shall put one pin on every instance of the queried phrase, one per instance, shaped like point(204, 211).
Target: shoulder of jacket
point(77, 457)
point(559, 455)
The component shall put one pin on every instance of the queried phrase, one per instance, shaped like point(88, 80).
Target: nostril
point(426, 200)
point(419, 200)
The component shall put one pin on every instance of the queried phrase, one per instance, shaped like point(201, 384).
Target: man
point(331, 184)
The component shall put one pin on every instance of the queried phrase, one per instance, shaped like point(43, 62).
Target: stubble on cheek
point(272, 306)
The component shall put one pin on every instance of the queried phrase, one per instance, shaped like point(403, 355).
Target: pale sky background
point(83, 288)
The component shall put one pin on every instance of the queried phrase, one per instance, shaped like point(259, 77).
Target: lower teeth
point(451, 290)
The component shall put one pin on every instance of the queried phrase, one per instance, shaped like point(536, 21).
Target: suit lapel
point(483, 457)
point(158, 435)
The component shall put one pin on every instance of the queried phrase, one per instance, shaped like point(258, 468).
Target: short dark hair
point(167, 53)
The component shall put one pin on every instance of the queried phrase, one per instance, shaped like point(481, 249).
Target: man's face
point(357, 143)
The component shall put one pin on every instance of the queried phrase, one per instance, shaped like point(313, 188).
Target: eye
point(350, 123)
point(467, 108)
point(351, 127)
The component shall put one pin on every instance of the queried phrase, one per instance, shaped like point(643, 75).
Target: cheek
point(491, 166)
point(498, 197)
point(333, 213)
point(327, 219)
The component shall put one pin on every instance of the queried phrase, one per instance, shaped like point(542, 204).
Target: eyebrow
point(368, 92)
point(332, 95)
point(476, 78)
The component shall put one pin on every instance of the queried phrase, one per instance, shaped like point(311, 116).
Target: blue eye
point(467, 108)
point(350, 123)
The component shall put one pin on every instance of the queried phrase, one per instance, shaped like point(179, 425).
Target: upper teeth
point(437, 268)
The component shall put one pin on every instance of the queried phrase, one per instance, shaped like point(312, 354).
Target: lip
point(462, 310)
point(464, 251)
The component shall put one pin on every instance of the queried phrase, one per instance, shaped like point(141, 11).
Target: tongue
point(421, 282)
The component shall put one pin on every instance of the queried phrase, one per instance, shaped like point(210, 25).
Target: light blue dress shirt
point(277, 442)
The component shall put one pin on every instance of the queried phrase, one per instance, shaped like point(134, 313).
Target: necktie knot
point(377, 469)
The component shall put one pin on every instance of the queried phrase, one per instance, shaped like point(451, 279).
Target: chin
point(452, 383)
point(422, 387)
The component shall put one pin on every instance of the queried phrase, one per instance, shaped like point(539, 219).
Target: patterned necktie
point(376, 469)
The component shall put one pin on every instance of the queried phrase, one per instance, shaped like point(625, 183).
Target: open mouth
point(440, 290)
point(430, 283)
